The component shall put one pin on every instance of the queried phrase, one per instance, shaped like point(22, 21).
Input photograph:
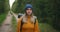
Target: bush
point(2, 17)
point(14, 23)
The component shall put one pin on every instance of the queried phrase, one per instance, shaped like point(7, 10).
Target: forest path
point(6, 26)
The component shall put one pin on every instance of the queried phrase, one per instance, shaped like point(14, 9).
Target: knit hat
point(28, 6)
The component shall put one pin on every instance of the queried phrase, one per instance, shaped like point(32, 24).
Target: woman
point(28, 22)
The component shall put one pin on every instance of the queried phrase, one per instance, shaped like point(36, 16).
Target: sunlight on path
point(11, 2)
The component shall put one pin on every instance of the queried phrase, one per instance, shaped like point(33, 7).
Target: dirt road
point(6, 26)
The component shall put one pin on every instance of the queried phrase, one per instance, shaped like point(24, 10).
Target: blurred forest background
point(47, 11)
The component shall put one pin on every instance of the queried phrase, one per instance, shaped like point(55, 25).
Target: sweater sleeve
point(36, 28)
point(18, 25)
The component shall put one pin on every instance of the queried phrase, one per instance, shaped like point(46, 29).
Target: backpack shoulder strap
point(35, 19)
point(21, 23)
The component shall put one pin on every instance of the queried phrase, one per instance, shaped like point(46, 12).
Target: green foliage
point(2, 17)
point(4, 6)
point(1, 6)
point(46, 28)
point(14, 24)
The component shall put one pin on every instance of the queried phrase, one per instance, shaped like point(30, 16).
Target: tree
point(4, 6)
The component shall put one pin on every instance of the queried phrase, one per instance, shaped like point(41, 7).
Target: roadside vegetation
point(46, 28)
point(14, 24)
point(4, 8)
point(2, 18)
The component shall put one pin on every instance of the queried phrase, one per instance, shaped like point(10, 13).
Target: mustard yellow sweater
point(28, 26)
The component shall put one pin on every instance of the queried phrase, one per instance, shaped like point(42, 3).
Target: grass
point(46, 28)
point(2, 17)
point(14, 24)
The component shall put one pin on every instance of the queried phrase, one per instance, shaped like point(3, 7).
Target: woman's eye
point(27, 9)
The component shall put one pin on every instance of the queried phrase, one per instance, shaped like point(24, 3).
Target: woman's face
point(29, 11)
